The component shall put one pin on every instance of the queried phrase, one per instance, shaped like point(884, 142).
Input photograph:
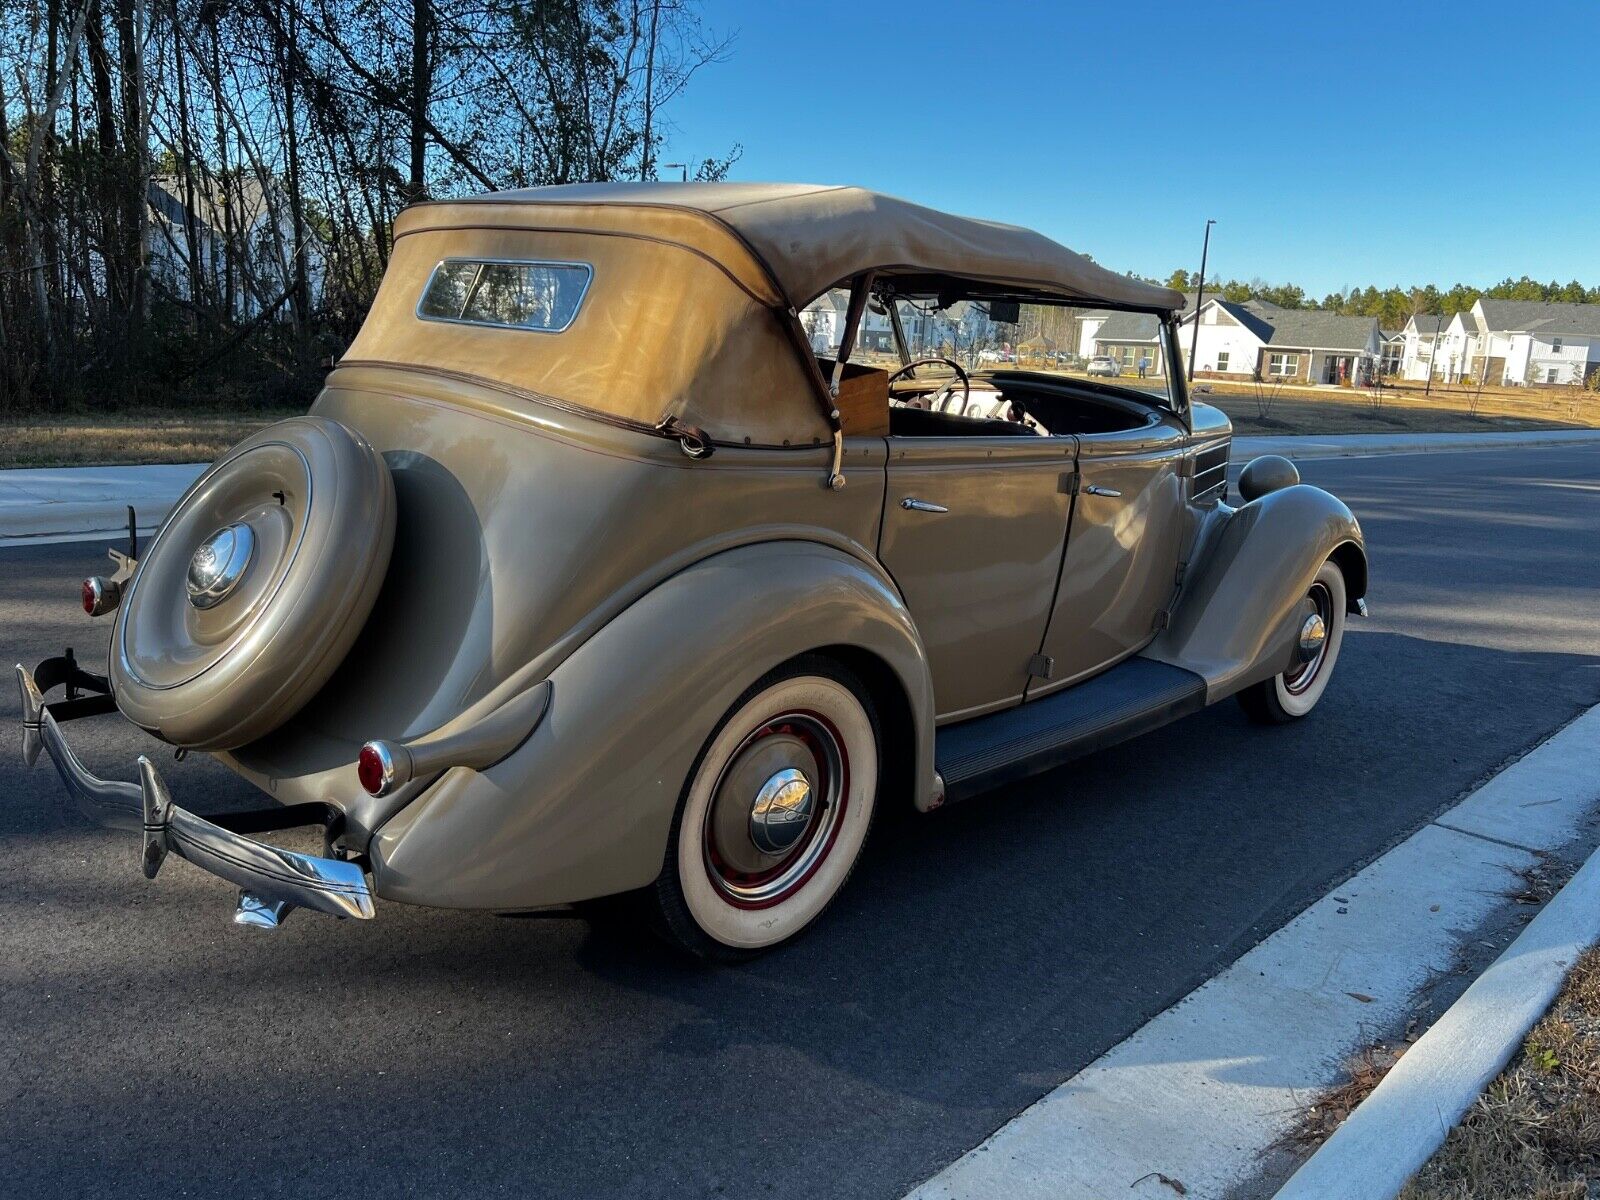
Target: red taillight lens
point(90, 599)
point(369, 769)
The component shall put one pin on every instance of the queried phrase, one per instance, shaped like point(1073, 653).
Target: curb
point(1394, 1132)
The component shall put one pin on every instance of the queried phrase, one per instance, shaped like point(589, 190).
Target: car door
point(1129, 525)
point(973, 529)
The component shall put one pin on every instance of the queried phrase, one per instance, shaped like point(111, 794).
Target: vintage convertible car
point(586, 577)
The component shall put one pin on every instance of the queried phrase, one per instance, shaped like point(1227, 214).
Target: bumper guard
point(271, 881)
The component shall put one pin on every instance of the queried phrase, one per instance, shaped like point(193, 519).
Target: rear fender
point(1234, 622)
point(583, 808)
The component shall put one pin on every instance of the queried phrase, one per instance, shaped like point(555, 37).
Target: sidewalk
point(60, 504)
point(1198, 1098)
point(63, 504)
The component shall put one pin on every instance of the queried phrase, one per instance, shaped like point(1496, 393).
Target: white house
point(1088, 325)
point(218, 220)
point(1449, 360)
point(1257, 340)
point(1536, 341)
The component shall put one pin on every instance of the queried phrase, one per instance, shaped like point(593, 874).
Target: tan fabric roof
point(807, 237)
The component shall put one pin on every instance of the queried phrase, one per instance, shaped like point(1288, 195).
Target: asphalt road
point(979, 956)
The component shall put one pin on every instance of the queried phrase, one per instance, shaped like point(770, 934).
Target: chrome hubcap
point(219, 564)
point(1313, 641)
point(775, 810)
point(1312, 634)
point(781, 812)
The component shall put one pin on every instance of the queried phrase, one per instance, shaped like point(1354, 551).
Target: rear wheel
point(774, 815)
point(1294, 693)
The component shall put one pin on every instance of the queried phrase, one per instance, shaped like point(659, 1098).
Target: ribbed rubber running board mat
point(1131, 698)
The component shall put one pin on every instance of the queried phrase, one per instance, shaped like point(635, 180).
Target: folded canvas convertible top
point(808, 237)
point(687, 318)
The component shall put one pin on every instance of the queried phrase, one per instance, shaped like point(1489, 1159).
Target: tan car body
point(565, 555)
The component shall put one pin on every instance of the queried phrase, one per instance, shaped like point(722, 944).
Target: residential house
point(241, 239)
point(1088, 325)
point(1542, 342)
point(1129, 337)
point(1258, 340)
point(1393, 350)
point(1437, 345)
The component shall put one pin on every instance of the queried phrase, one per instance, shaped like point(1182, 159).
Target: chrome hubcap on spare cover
point(219, 564)
point(775, 810)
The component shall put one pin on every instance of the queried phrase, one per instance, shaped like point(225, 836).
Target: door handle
point(912, 504)
point(1094, 489)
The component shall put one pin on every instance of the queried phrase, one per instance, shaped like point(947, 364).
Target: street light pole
point(683, 167)
point(1199, 299)
point(1433, 355)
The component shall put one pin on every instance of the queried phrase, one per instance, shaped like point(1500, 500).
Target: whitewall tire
point(1292, 694)
point(774, 815)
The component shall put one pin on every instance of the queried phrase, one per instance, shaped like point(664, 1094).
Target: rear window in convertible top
point(542, 296)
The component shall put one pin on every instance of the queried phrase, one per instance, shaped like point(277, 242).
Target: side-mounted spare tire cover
point(256, 586)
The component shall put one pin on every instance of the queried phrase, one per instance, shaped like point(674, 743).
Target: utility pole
point(1199, 299)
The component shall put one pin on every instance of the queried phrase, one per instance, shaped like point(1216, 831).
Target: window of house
point(1552, 374)
point(1555, 346)
point(1283, 364)
point(1222, 360)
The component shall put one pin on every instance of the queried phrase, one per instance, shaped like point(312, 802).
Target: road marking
point(1200, 1092)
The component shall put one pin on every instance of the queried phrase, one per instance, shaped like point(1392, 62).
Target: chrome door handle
point(912, 504)
point(1095, 489)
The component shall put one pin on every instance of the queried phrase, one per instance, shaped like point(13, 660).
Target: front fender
point(1233, 622)
point(584, 807)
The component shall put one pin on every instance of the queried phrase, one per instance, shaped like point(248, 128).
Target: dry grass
point(1535, 1134)
point(1316, 1122)
point(1342, 410)
point(75, 440)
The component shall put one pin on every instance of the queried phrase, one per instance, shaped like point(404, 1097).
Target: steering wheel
point(940, 398)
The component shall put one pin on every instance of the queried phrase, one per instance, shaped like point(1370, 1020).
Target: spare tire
point(255, 587)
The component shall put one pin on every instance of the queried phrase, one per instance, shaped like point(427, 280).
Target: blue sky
point(1335, 143)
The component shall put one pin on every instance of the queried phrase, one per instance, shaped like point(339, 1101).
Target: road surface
point(979, 956)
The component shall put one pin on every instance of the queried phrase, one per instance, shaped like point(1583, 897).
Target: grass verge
point(73, 440)
point(1536, 1132)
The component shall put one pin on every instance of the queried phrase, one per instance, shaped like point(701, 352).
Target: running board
point(1133, 697)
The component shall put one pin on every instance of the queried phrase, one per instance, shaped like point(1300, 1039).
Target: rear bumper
point(271, 881)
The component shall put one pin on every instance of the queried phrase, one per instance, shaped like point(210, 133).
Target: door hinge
point(1177, 576)
point(1041, 666)
point(1186, 466)
point(1068, 484)
point(1162, 620)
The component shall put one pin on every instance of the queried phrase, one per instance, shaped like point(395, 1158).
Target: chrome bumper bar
point(271, 881)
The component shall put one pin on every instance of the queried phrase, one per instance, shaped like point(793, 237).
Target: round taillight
point(100, 595)
point(375, 769)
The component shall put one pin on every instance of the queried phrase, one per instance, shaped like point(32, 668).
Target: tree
point(197, 194)
point(1179, 280)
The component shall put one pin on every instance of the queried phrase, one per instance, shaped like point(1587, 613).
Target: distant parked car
point(1104, 364)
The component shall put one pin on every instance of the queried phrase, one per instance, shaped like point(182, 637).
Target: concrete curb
point(1396, 1130)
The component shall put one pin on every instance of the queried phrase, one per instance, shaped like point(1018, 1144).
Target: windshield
point(1112, 349)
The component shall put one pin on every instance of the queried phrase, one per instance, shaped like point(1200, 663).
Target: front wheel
point(774, 815)
point(1294, 693)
